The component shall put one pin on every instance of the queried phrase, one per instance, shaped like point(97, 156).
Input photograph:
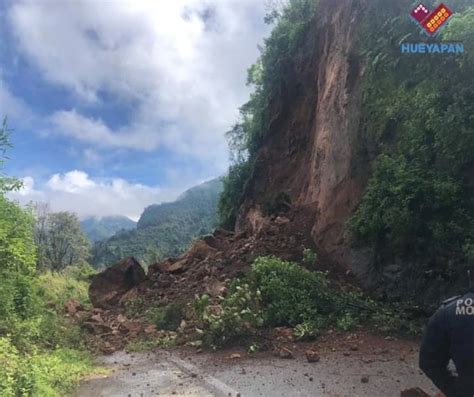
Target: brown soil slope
point(314, 150)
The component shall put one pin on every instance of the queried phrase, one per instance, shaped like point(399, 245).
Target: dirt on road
point(355, 365)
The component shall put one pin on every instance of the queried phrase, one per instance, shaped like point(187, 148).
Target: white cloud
point(77, 192)
point(71, 123)
point(180, 65)
point(28, 189)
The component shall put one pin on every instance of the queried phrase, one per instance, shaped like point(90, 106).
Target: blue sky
point(116, 105)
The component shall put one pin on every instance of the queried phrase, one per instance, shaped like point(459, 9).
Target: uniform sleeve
point(434, 354)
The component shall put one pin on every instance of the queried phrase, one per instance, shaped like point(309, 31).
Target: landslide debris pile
point(222, 256)
point(207, 268)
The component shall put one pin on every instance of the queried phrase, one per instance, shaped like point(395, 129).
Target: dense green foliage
point(96, 228)
point(419, 114)
point(267, 77)
point(164, 230)
point(35, 340)
point(18, 302)
point(290, 293)
point(237, 315)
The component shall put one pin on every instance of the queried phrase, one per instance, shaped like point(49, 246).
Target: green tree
point(60, 240)
point(17, 250)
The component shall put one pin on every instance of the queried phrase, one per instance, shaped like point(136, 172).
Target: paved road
point(143, 375)
point(180, 374)
point(335, 375)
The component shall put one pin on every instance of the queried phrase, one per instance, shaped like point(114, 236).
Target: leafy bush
point(237, 315)
point(309, 256)
point(58, 372)
point(307, 330)
point(347, 322)
point(292, 294)
point(10, 363)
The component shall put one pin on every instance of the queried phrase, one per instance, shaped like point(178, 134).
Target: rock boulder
point(108, 287)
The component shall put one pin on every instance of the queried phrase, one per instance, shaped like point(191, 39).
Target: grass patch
point(143, 345)
point(72, 283)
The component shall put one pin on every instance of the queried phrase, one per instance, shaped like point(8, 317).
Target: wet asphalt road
point(142, 375)
point(336, 375)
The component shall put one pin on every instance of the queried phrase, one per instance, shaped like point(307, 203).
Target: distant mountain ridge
point(99, 228)
point(193, 206)
point(164, 230)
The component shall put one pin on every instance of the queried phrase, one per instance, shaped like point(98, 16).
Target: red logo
point(431, 22)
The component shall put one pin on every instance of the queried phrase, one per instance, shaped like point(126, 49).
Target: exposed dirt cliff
point(314, 150)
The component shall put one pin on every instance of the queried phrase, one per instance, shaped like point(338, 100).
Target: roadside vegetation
point(41, 351)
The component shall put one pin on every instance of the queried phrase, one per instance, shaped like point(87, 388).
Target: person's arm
point(434, 355)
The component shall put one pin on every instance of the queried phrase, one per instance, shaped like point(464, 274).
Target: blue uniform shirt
point(450, 335)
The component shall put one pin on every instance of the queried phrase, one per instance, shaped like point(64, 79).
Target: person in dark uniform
point(450, 336)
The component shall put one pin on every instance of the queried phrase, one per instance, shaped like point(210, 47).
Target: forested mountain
point(164, 229)
point(100, 228)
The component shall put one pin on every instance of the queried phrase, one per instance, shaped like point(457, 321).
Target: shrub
point(347, 322)
point(10, 363)
point(309, 256)
point(57, 373)
point(306, 330)
point(48, 374)
point(291, 294)
point(237, 315)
